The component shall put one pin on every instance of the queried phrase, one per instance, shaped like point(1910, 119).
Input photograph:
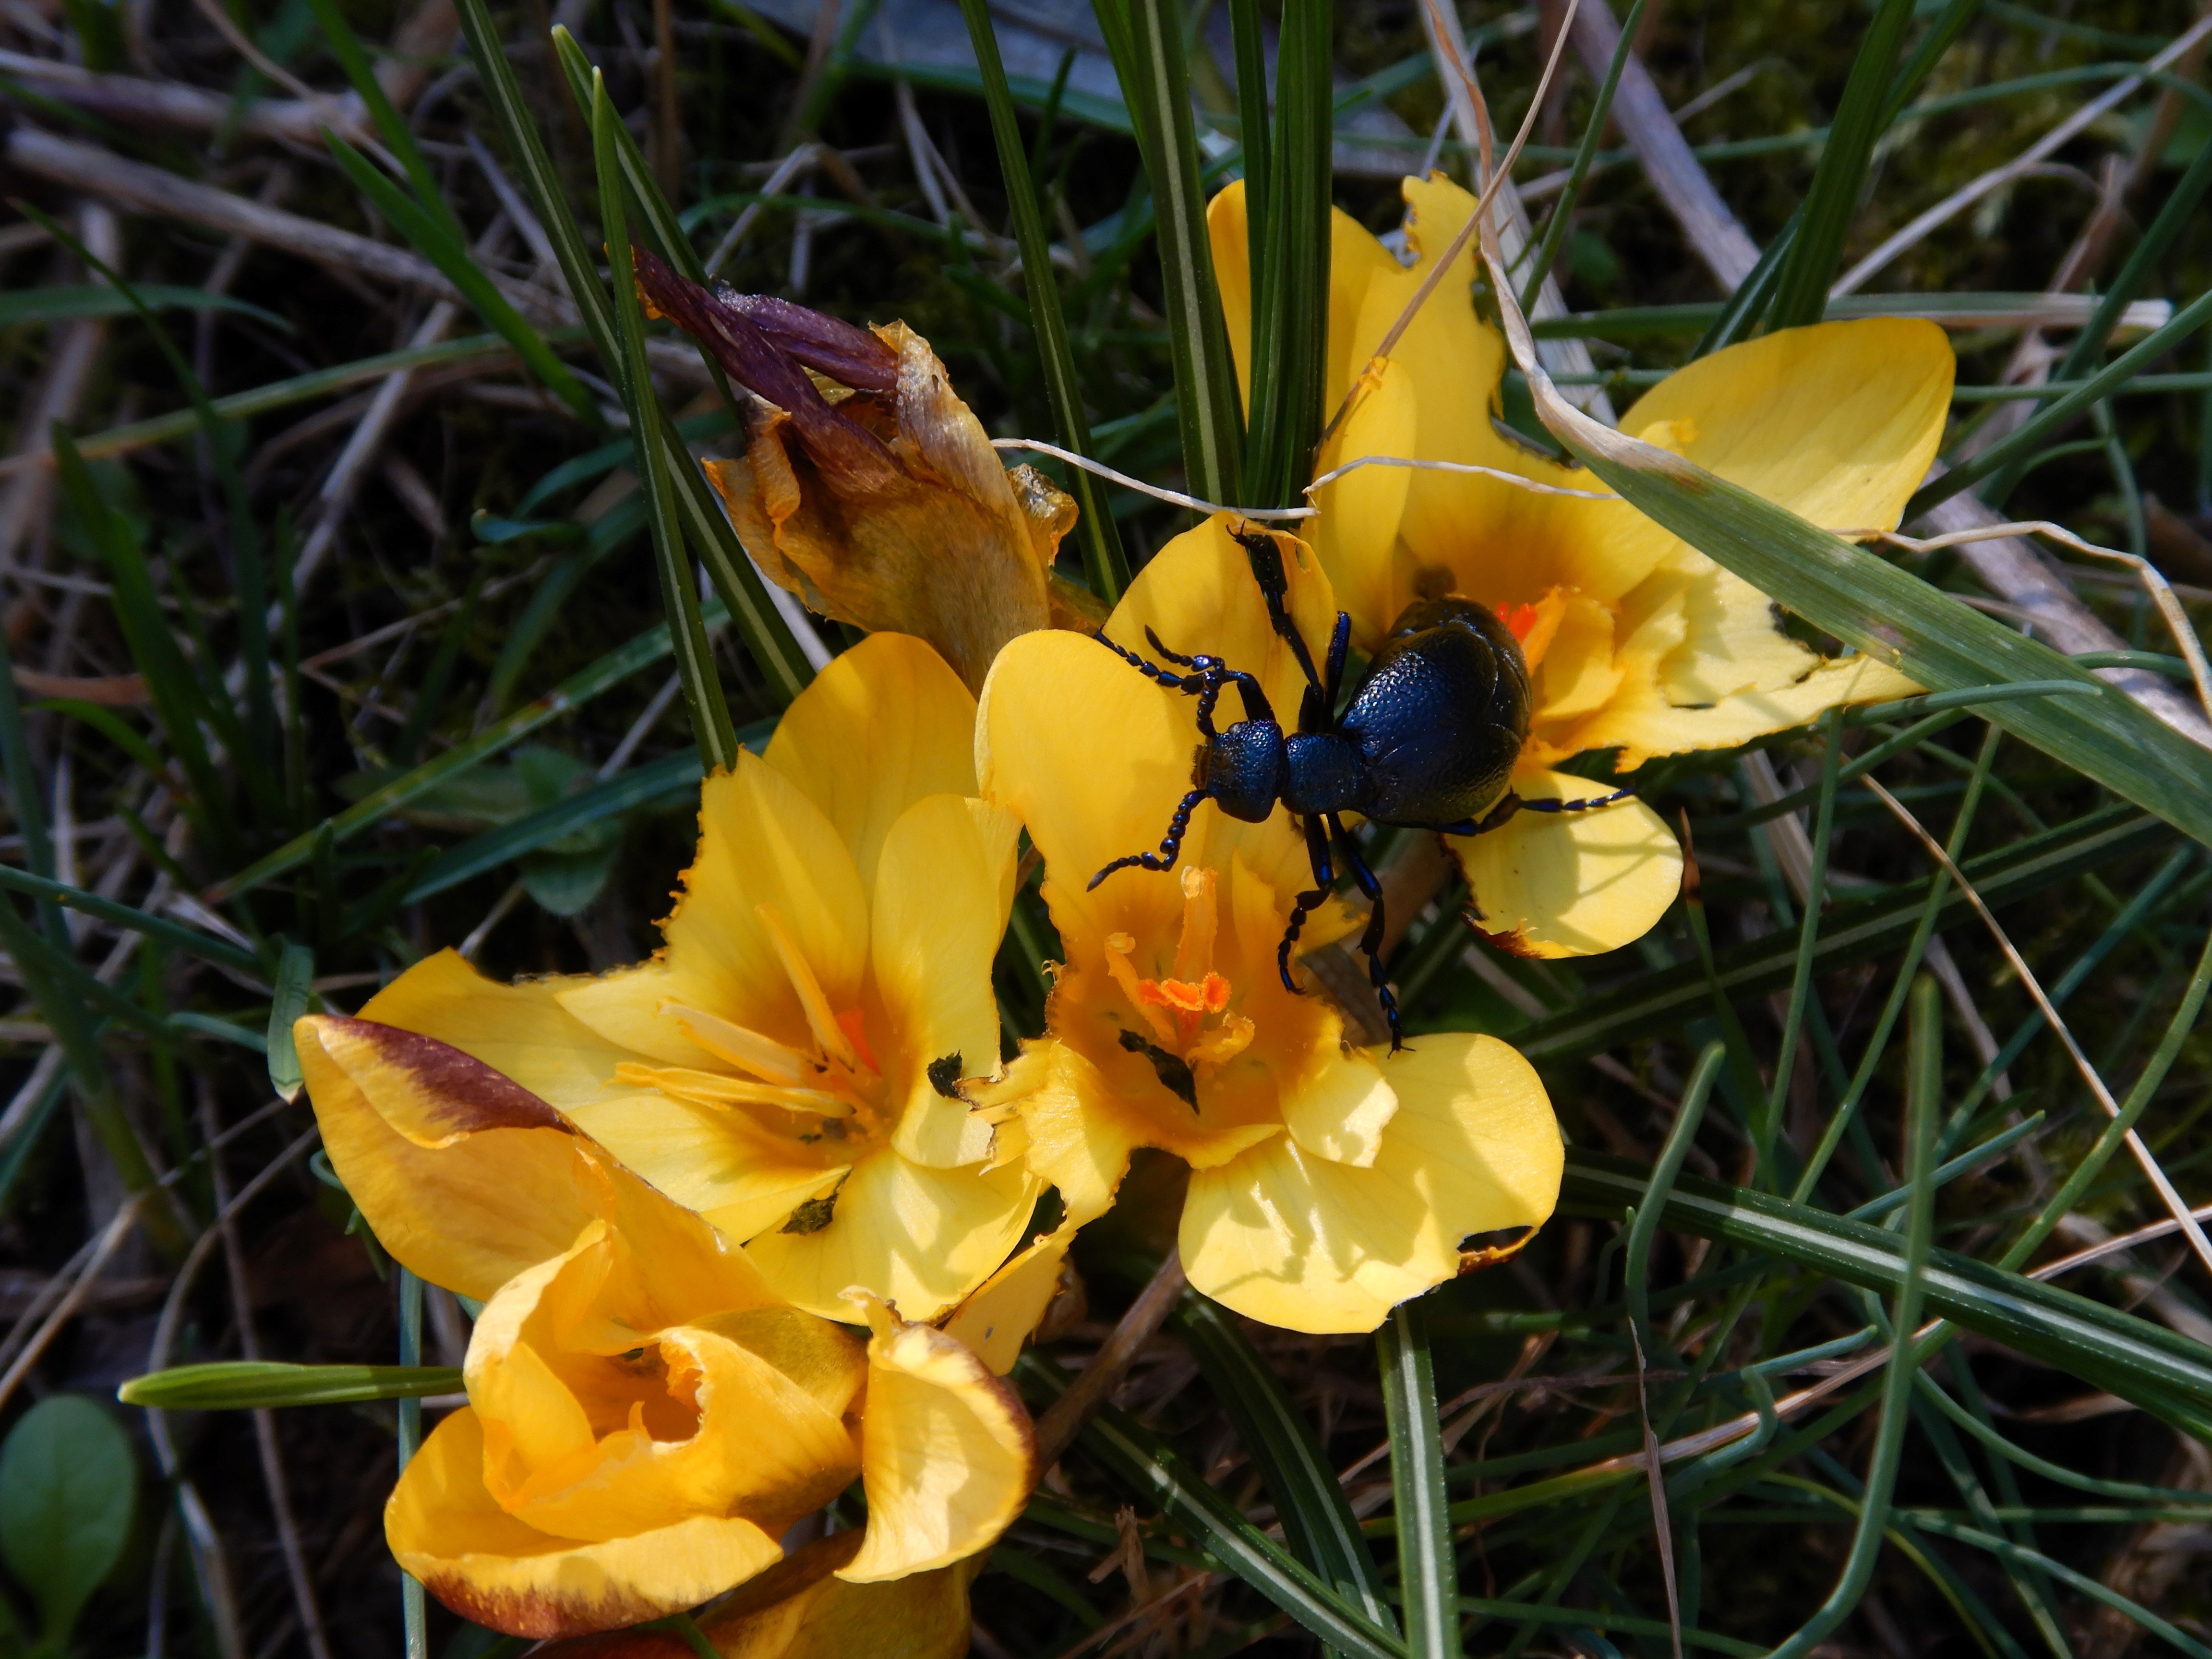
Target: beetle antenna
point(1590, 804)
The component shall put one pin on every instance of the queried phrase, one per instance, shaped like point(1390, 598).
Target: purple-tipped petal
point(835, 442)
point(851, 356)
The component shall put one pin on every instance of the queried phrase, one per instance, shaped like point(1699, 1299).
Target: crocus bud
point(867, 488)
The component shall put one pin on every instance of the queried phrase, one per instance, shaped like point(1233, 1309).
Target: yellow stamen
point(763, 1056)
point(1118, 946)
point(820, 1018)
point(1225, 1041)
point(1200, 920)
point(710, 1088)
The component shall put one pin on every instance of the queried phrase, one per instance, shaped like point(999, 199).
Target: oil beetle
point(1427, 741)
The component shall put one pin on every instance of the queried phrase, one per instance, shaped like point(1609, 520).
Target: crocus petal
point(947, 1452)
point(762, 844)
point(757, 1442)
point(725, 1162)
point(1836, 422)
point(886, 724)
point(924, 1237)
point(945, 887)
point(1092, 758)
point(1569, 883)
point(1078, 1133)
point(1356, 261)
point(1294, 1240)
point(521, 1031)
point(799, 1610)
point(446, 1528)
point(462, 1174)
point(999, 1318)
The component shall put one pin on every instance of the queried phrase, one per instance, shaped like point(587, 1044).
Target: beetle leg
point(1371, 942)
point(1187, 683)
point(1171, 843)
point(1267, 561)
point(1324, 875)
point(1173, 656)
point(1340, 640)
point(1590, 804)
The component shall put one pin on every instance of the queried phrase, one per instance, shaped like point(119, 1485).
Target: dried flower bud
point(878, 499)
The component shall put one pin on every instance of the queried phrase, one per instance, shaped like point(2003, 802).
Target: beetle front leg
point(1171, 843)
point(1324, 875)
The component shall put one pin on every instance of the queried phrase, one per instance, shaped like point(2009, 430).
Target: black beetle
point(1427, 741)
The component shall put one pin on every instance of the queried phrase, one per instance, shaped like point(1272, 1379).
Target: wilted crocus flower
point(866, 487)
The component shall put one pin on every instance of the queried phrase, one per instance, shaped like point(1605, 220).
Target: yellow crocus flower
point(1636, 642)
point(646, 1416)
point(787, 1065)
point(1328, 1182)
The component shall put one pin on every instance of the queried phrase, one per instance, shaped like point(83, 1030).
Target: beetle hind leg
point(1171, 843)
point(1503, 812)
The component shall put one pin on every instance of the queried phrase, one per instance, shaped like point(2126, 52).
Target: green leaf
point(1428, 1570)
point(295, 974)
point(52, 305)
point(1824, 220)
point(432, 238)
point(1148, 39)
point(1317, 1518)
point(68, 1486)
point(1103, 561)
point(251, 1384)
point(695, 656)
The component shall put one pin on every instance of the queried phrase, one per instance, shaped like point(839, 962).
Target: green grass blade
point(391, 125)
point(287, 1000)
point(431, 237)
point(206, 946)
point(1153, 1469)
point(1428, 1571)
point(1667, 997)
point(27, 803)
point(1635, 1262)
point(579, 688)
point(657, 221)
point(782, 662)
point(668, 778)
point(54, 304)
point(1924, 1080)
point(1899, 619)
point(1290, 290)
point(1563, 210)
point(1317, 1520)
point(2158, 1369)
point(1104, 561)
point(250, 1384)
point(695, 655)
point(1823, 222)
point(2088, 345)
point(180, 700)
point(2036, 431)
point(1157, 83)
point(298, 388)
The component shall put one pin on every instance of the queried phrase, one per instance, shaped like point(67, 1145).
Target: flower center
point(1187, 1011)
point(834, 1081)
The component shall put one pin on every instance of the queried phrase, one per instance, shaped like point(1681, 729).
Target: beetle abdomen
point(1442, 715)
